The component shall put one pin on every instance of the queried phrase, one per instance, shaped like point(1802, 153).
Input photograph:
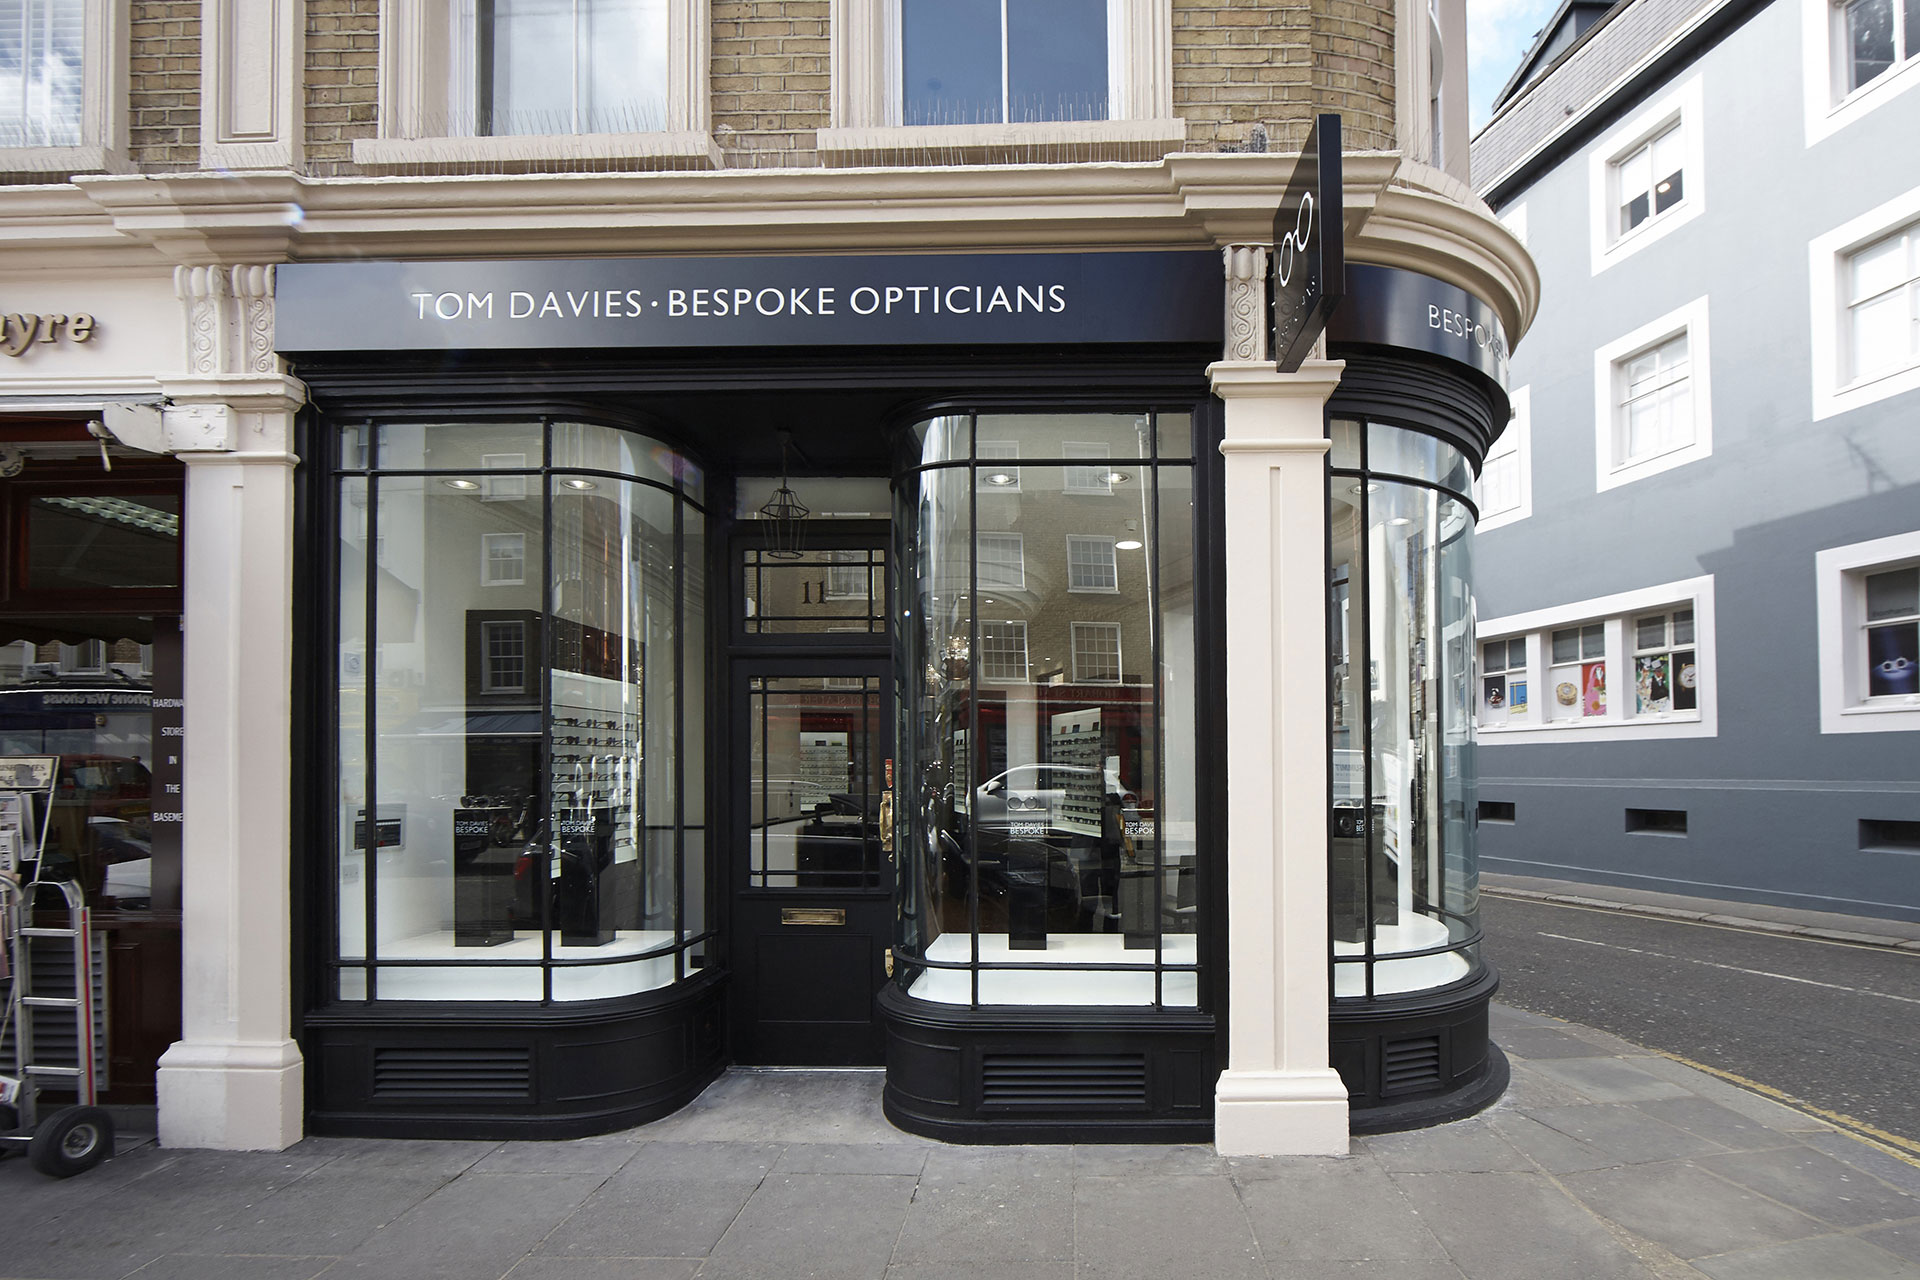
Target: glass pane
point(1346, 435)
point(1408, 453)
point(1686, 682)
point(1893, 658)
point(1650, 632)
point(1457, 891)
point(576, 66)
point(1893, 594)
point(1176, 435)
point(1495, 657)
point(950, 54)
point(623, 65)
point(84, 542)
point(825, 590)
point(1566, 645)
point(461, 446)
point(1516, 652)
point(455, 691)
point(355, 660)
point(1176, 762)
point(1593, 640)
point(1057, 59)
point(42, 46)
point(1350, 819)
point(1667, 192)
point(1045, 436)
point(815, 784)
point(1683, 626)
point(587, 446)
point(1881, 334)
point(1879, 267)
point(1869, 40)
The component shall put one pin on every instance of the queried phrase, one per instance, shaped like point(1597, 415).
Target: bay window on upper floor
point(535, 82)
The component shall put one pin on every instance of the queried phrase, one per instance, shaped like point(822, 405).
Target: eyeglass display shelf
point(1411, 973)
point(1066, 984)
point(509, 982)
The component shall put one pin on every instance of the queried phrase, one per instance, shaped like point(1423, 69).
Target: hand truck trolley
point(72, 1139)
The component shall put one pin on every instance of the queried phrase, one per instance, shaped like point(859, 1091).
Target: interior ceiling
point(838, 432)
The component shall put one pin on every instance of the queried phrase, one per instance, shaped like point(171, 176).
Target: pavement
point(1603, 1161)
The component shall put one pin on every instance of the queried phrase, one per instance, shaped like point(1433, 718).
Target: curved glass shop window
point(522, 681)
point(1403, 881)
point(1045, 658)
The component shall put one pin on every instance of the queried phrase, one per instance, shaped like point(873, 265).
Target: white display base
point(1065, 985)
point(1396, 977)
point(504, 982)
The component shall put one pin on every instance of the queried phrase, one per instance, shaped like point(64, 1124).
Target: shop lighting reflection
point(1130, 544)
point(579, 483)
point(463, 485)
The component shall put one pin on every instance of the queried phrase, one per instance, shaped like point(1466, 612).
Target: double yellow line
point(1891, 1143)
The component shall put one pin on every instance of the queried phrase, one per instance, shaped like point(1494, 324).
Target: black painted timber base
point(501, 1071)
point(1419, 1060)
point(1005, 1075)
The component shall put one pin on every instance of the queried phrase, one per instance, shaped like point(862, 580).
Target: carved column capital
point(229, 315)
point(1246, 273)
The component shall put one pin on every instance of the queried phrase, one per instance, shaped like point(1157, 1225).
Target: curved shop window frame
point(548, 890)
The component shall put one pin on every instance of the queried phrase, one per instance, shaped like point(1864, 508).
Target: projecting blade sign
point(1309, 247)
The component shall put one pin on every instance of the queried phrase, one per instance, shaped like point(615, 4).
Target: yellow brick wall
point(163, 104)
point(770, 81)
point(1237, 64)
point(342, 86)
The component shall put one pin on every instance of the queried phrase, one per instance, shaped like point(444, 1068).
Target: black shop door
point(813, 884)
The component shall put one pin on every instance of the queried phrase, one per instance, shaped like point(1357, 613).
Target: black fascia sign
point(745, 303)
point(1309, 273)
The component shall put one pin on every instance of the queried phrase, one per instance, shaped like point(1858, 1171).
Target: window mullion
point(1006, 69)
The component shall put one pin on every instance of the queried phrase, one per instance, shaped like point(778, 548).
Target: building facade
point(1698, 539)
point(798, 553)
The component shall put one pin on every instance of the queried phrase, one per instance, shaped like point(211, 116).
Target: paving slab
point(1903, 1240)
point(1625, 1133)
point(1825, 1257)
point(1685, 1209)
point(1365, 1269)
point(186, 1266)
point(980, 1271)
point(494, 1219)
point(1533, 1043)
point(1511, 1226)
point(603, 1158)
point(1902, 1174)
point(815, 1224)
point(1348, 1209)
point(1149, 1228)
point(1465, 1146)
point(1546, 1146)
point(330, 1211)
point(1714, 1122)
point(1611, 1079)
point(1096, 1160)
point(992, 1212)
point(660, 1217)
point(841, 1157)
point(536, 1267)
point(1817, 1185)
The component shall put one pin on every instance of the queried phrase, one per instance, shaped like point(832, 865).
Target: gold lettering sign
point(19, 331)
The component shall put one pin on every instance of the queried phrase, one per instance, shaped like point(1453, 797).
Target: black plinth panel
point(1419, 1060)
point(498, 1072)
point(1048, 1075)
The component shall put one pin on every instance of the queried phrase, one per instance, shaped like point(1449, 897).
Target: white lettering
point(440, 306)
point(519, 305)
point(633, 303)
point(421, 300)
point(1058, 293)
point(894, 294)
point(1294, 243)
point(172, 731)
point(823, 298)
point(700, 302)
point(676, 302)
point(916, 290)
point(551, 303)
point(962, 291)
point(1021, 291)
point(999, 300)
point(741, 297)
point(871, 307)
point(479, 302)
point(797, 303)
point(760, 305)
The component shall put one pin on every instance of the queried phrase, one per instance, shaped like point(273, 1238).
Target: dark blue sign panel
point(1388, 307)
point(960, 299)
point(1309, 246)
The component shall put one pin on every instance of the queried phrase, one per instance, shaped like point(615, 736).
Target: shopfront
point(627, 770)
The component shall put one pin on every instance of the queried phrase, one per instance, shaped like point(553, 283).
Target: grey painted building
point(1699, 552)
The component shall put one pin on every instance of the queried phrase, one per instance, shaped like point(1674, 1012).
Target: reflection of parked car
point(1029, 799)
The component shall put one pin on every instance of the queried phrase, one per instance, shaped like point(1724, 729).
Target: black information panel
point(966, 299)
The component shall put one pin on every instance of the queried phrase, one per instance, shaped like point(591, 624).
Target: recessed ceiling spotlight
point(1001, 478)
point(1130, 544)
point(579, 483)
point(462, 485)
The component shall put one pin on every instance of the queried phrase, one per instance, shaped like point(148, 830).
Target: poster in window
point(1593, 683)
point(1893, 658)
point(1686, 680)
point(1517, 698)
point(1494, 691)
point(1651, 685)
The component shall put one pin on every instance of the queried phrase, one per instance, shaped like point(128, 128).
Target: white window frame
point(865, 75)
point(1515, 442)
point(1840, 608)
point(985, 451)
point(102, 146)
point(1016, 564)
point(1619, 723)
point(1830, 107)
point(415, 74)
point(1682, 107)
point(1112, 558)
point(1016, 629)
point(1076, 630)
point(1096, 481)
point(1608, 369)
point(503, 628)
point(1829, 259)
point(489, 541)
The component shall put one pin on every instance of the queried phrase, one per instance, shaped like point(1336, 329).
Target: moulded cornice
point(1397, 214)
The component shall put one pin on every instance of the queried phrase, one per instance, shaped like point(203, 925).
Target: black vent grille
point(1410, 1066)
point(453, 1075)
point(1109, 1081)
